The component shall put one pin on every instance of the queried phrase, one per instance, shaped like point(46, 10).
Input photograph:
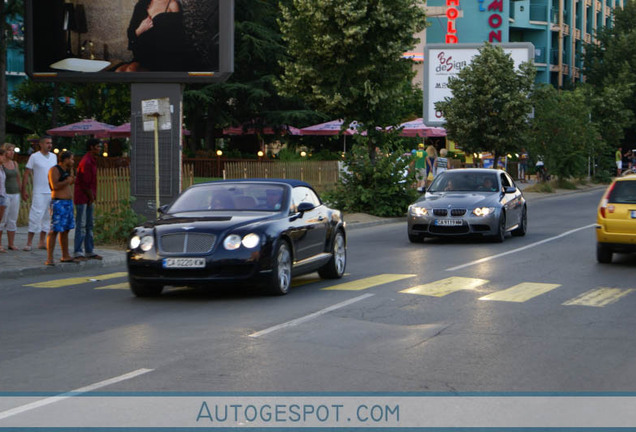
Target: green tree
point(611, 62)
point(561, 131)
point(345, 58)
point(249, 94)
point(490, 105)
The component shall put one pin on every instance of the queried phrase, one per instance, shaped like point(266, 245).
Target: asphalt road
point(537, 313)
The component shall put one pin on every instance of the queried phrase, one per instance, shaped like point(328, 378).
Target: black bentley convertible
point(264, 230)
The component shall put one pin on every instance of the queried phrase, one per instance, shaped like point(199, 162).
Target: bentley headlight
point(146, 243)
point(232, 242)
point(418, 211)
point(483, 211)
point(251, 240)
point(135, 241)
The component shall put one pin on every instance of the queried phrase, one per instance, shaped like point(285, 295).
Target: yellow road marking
point(76, 281)
point(369, 282)
point(446, 286)
point(119, 286)
point(599, 297)
point(521, 292)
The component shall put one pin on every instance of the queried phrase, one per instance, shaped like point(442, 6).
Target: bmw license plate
point(448, 222)
point(183, 263)
point(633, 214)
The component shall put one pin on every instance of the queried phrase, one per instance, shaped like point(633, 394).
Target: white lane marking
point(63, 396)
point(310, 316)
point(531, 245)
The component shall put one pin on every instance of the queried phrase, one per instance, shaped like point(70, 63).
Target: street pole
point(157, 195)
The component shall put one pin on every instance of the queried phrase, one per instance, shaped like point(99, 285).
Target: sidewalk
point(20, 263)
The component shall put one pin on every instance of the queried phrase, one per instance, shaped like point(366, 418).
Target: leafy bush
point(565, 184)
point(382, 187)
point(113, 227)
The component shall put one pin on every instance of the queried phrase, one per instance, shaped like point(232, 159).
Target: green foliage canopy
point(346, 56)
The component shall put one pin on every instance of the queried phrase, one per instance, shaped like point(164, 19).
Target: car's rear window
point(624, 192)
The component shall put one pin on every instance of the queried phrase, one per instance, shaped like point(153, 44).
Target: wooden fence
point(113, 188)
point(320, 174)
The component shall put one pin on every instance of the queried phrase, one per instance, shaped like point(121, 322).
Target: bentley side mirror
point(162, 209)
point(305, 207)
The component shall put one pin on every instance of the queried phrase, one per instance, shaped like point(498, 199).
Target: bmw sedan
point(253, 230)
point(469, 202)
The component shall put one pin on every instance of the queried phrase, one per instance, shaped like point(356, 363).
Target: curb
point(63, 268)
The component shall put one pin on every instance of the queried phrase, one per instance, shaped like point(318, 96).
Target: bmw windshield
point(462, 181)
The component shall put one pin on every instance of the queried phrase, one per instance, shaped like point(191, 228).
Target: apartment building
point(558, 29)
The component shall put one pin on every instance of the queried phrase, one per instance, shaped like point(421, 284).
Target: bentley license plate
point(448, 222)
point(184, 263)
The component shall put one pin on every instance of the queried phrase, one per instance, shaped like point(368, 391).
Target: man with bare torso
point(62, 221)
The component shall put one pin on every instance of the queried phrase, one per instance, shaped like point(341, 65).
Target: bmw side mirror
point(421, 189)
point(510, 189)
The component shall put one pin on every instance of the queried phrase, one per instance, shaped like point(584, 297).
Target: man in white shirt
point(39, 164)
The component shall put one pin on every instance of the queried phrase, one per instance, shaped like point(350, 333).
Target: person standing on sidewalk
point(3, 194)
point(12, 186)
point(39, 164)
point(62, 221)
point(84, 198)
point(619, 161)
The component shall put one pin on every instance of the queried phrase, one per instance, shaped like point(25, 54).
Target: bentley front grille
point(187, 243)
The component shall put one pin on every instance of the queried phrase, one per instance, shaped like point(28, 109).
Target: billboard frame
point(225, 69)
point(434, 94)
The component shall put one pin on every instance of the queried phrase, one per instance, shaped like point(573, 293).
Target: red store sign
point(495, 21)
point(451, 14)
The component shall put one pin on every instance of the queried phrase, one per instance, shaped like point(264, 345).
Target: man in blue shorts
point(62, 221)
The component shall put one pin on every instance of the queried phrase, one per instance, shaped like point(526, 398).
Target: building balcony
point(597, 5)
point(566, 29)
point(577, 34)
point(588, 38)
point(588, 3)
point(540, 55)
point(565, 69)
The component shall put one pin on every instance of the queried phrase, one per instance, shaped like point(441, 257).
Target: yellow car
point(616, 219)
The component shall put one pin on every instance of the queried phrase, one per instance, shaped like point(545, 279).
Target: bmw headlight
point(147, 242)
point(135, 241)
point(232, 242)
point(483, 211)
point(418, 211)
point(251, 240)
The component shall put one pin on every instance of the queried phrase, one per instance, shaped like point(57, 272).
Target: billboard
point(442, 61)
point(190, 41)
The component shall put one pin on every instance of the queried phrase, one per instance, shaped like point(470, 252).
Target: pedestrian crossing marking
point(446, 286)
point(362, 284)
point(76, 281)
point(119, 286)
point(599, 297)
point(521, 292)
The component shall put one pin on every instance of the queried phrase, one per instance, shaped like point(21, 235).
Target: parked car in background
point(262, 230)
point(616, 219)
point(469, 202)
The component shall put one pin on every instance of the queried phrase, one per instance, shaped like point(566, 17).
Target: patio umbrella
point(417, 128)
point(240, 130)
point(85, 127)
point(333, 127)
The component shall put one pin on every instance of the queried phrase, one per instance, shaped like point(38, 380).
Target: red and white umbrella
point(333, 127)
point(417, 128)
point(240, 130)
point(85, 127)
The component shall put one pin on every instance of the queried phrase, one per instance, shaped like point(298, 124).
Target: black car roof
point(290, 182)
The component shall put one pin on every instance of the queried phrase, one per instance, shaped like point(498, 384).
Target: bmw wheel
point(523, 224)
point(281, 270)
point(335, 268)
point(416, 238)
point(141, 289)
point(500, 236)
